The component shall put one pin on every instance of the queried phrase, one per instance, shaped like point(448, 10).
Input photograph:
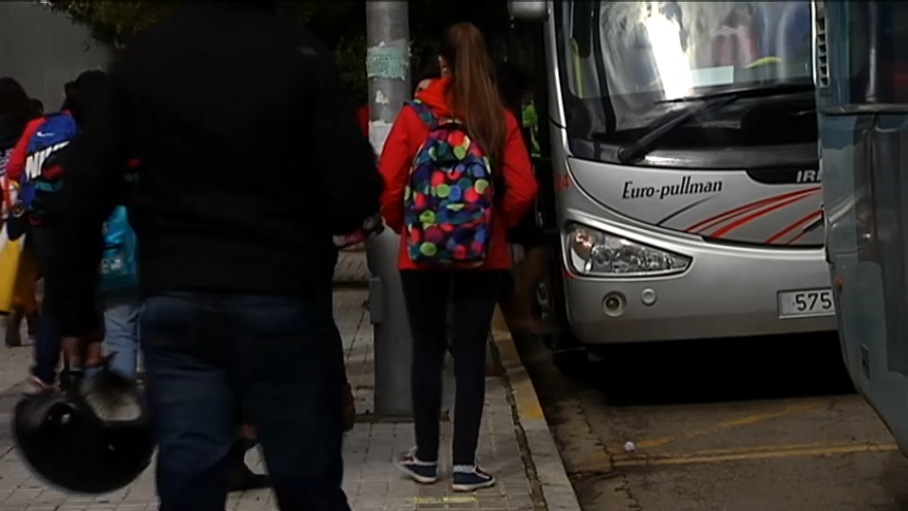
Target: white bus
point(685, 181)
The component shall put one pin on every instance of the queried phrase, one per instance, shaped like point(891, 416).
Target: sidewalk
point(351, 270)
point(515, 445)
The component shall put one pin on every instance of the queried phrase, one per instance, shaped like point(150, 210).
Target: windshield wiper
point(670, 121)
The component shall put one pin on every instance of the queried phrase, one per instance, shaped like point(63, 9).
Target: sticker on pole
point(388, 62)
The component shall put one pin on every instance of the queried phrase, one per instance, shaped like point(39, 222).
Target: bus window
point(892, 51)
point(878, 53)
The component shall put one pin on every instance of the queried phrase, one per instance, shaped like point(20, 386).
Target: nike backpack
point(449, 196)
point(41, 178)
point(118, 261)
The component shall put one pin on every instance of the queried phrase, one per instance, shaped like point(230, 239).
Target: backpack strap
point(425, 114)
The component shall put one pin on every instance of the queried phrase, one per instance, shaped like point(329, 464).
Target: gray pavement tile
point(351, 268)
point(371, 482)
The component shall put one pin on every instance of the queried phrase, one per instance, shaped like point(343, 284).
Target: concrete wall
point(43, 50)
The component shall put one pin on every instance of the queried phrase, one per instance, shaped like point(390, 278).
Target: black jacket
point(250, 159)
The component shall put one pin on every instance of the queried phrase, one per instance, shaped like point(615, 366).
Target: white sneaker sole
point(414, 476)
point(464, 488)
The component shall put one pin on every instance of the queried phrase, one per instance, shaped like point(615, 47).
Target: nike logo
point(44, 134)
point(35, 162)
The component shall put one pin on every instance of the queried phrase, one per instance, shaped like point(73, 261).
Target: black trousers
point(474, 294)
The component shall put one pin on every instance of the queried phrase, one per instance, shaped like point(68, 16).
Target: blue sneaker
point(471, 478)
point(424, 472)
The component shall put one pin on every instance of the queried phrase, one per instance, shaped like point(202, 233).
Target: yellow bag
point(26, 297)
point(10, 256)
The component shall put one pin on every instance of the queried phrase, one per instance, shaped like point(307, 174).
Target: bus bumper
point(719, 296)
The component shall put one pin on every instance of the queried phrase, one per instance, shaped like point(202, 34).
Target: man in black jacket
point(251, 160)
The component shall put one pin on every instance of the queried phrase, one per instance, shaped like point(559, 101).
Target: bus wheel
point(570, 357)
point(572, 363)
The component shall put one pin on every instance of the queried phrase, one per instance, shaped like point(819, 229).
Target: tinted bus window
point(878, 53)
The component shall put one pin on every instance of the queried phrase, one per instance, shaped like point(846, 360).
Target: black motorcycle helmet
point(94, 438)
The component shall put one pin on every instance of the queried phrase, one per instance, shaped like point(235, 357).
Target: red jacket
point(409, 132)
point(362, 117)
point(17, 157)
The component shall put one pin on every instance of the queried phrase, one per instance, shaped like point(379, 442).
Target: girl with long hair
point(467, 92)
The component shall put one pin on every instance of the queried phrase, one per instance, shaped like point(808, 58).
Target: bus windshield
point(626, 61)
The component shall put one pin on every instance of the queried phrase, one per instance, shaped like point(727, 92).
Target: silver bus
point(685, 197)
point(862, 99)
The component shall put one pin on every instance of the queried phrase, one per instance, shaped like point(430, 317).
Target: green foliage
point(350, 54)
point(115, 21)
point(112, 22)
point(341, 24)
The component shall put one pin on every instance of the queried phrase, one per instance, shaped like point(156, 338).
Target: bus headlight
point(596, 253)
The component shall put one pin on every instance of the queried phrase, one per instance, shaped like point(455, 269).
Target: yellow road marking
point(751, 453)
point(525, 398)
point(730, 424)
point(499, 325)
point(735, 450)
point(466, 499)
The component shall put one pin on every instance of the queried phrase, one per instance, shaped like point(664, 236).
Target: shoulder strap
point(425, 113)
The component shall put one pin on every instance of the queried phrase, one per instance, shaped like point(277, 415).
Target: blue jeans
point(47, 348)
point(276, 362)
point(47, 338)
point(121, 330)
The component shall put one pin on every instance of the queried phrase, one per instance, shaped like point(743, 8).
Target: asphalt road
point(755, 425)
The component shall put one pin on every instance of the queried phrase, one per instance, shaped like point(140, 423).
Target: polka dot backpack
point(448, 199)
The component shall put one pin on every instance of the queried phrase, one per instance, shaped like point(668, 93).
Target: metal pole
point(388, 70)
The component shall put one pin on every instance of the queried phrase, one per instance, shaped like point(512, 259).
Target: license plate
point(810, 302)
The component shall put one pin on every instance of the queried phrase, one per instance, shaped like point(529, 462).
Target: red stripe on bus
point(753, 216)
point(728, 215)
point(784, 232)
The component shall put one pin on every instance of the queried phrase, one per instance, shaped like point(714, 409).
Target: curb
point(557, 490)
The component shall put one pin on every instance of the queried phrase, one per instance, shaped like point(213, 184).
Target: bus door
point(862, 99)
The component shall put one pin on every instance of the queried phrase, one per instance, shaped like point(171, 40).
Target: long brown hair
point(472, 92)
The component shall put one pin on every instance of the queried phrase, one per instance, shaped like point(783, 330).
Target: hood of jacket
point(435, 96)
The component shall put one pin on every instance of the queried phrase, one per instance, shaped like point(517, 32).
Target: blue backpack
point(118, 262)
point(41, 176)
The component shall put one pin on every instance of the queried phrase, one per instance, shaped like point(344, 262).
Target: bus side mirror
point(528, 11)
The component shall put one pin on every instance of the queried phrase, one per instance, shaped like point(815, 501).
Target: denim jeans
point(121, 330)
point(47, 348)
point(47, 338)
point(274, 361)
